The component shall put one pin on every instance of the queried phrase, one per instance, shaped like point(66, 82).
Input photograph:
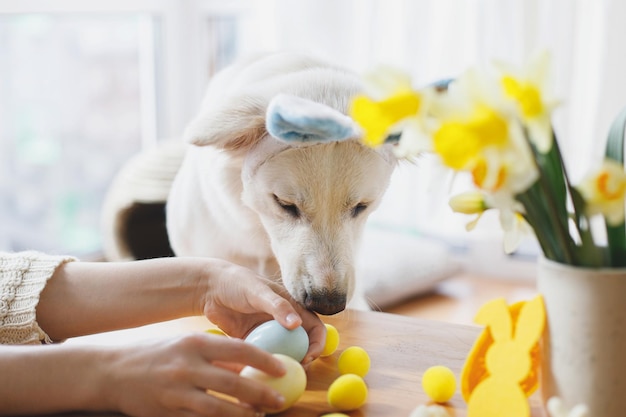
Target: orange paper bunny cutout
point(508, 360)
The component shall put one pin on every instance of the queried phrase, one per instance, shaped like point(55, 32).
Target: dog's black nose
point(325, 302)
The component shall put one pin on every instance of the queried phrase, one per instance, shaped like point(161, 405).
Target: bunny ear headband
point(295, 120)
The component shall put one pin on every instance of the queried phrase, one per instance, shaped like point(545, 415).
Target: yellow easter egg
point(354, 360)
point(348, 392)
point(335, 415)
point(291, 385)
point(332, 340)
point(439, 383)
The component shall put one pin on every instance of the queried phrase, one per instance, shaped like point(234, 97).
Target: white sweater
point(23, 277)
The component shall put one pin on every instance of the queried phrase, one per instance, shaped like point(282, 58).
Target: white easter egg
point(291, 385)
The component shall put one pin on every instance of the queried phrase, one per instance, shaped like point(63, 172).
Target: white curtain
point(436, 39)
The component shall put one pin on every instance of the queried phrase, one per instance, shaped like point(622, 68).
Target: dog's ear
point(237, 123)
point(295, 119)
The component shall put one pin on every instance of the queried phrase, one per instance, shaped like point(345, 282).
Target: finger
point(247, 390)
point(266, 300)
point(201, 403)
point(317, 336)
point(240, 352)
point(229, 366)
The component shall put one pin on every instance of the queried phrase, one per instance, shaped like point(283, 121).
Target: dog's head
point(309, 179)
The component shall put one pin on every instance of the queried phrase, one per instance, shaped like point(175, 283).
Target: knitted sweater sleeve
point(23, 276)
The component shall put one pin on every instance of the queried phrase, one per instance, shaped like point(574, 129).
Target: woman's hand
point(238, 300)
point(166, 378)
point(172, 378)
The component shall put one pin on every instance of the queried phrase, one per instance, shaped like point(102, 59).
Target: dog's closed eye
point(358, 209)
point(290, 208)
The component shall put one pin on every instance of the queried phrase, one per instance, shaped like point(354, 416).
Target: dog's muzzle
point(325, 302)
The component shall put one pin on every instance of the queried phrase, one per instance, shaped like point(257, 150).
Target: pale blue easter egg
point(272, 337)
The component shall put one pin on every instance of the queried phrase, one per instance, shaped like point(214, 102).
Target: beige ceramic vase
point(584, 345)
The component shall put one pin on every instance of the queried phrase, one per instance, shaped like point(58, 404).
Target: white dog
point(277, 180)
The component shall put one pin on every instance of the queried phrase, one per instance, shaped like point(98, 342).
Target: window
point(82, 89)
point(71, 104)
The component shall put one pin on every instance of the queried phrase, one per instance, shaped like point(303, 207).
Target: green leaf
point(554, 171)
point(616, 235)
point(588, 253)
point(615, 139)
point(617, 244)
point(546, 205)
point(535, 214)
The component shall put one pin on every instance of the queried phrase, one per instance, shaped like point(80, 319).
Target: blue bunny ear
point(298, 120)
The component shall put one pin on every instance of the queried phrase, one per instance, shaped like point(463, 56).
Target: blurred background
point(85, 85)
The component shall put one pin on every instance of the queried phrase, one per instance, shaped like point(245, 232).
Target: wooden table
point(401, 349)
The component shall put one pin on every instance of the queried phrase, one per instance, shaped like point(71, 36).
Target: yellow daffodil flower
point(391, 105)
point(461, 143)
point(488, 144)
point(604, 191)
point(527, 95)
point(377, 118)
point(527, 88)
point(478, 132)
point(493, 126)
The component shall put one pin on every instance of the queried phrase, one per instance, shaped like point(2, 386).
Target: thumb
point(268, 301)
